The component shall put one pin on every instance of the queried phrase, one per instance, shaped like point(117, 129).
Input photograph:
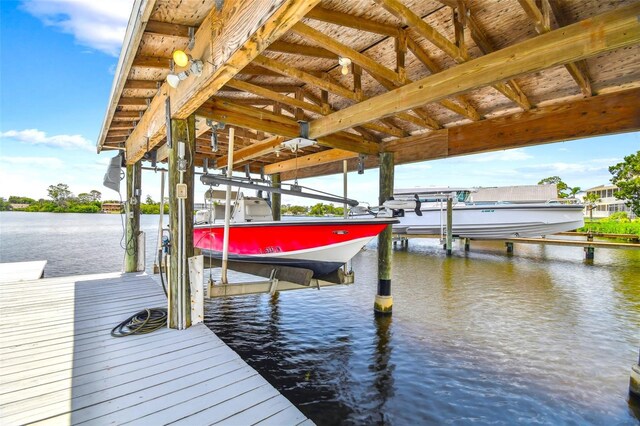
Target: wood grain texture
point(609, 31)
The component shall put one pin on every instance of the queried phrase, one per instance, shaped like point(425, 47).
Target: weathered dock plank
point(21, 271)
point(61, 365)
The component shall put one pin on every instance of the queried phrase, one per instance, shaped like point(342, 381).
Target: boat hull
point(495, 221)
point(320, 245)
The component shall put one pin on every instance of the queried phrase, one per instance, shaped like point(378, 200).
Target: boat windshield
point(463, 196)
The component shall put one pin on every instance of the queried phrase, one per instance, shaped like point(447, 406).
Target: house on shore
point(608, 203)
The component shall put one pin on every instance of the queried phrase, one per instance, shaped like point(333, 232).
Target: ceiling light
point(180, 58)
point(173, 80)
point(344, 63)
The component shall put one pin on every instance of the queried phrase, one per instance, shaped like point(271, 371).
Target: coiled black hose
point(146, 321)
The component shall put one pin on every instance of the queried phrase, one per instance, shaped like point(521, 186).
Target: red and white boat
point(321, 245)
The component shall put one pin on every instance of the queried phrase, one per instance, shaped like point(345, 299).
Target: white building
point(608, 203)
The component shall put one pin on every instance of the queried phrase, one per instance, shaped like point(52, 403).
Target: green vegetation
point(626, 176)
point(617, 223)
point(564, 191)
point(319, 209)
point(62, 200)
point(4, 205)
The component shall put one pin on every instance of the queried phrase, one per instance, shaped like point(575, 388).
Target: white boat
point(423, 211)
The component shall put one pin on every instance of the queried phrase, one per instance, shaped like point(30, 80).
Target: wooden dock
point(60, 364)
point(22, 271)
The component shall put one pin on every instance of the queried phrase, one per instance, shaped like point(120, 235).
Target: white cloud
point(510, 155)
point(98, 24)
point(38, 137)
point(51, 162)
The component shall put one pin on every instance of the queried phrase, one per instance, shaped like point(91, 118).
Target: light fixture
point(297, 143)
point(174, 79)
point(182, 59)
point(344, 63)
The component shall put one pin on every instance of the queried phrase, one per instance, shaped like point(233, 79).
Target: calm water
point(483, 337)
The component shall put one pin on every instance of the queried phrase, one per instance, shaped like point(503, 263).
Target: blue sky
point(57, 59)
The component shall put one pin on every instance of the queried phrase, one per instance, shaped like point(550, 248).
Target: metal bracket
point(304, 129)
point(361, 158)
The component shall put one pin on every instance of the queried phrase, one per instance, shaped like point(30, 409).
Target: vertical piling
point(134, 183)
point(509, 247)
point(181, 220)
point(589, 253)
point(467, 244)
point(276, 199)
point(634, 381)
point(449, 225)
point(384, 302)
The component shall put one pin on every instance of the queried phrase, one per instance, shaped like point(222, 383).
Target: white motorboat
point(423, 211)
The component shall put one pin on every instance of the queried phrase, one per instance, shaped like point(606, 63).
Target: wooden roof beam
point(167, 29)
point(226, 41)
point(142, 84)
point(598, 115)
point(269, 94)
point(152, 62)
point(317, 158)
point(614, 29)
point(460, 106)
point(407, 17)
point(367, 63)
point(541, 19)
point(301, 49)
point(252, 151)
point(289, 71)
point(280, 88)
point(357, 22)
point(511, 88)
point(459, 54)
point(276, 124)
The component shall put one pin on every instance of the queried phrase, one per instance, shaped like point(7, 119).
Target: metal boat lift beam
point(209, 179)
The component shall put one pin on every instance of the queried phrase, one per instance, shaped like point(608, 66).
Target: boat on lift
point(423, 211)
point(321, 245)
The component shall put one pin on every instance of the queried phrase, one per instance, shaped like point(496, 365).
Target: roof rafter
point(541, 19)
point(615, 29)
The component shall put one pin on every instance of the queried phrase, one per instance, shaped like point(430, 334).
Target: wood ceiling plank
point(301, 49)
point(275, 124)
point(407, 17)
point(310, 160)
point(602, 33)
point(594, 116)
point(540, 18)
point(252, 151)
point(142, 84)
point(260, 91)
point(303, 76)
point(367, 63)
point(226, 41)
point(152, 62)
point(167, 29)
point(357, 22)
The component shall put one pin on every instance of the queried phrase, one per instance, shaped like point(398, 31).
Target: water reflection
point(382, 366)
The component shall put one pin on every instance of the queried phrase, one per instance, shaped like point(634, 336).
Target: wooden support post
point(449, 225)
point(467, 244)
point(134, 180)
point(384, 302)
point(276, 199)
point(634, 381)
point(181, 220)
point(589, 253)
point(509, 247)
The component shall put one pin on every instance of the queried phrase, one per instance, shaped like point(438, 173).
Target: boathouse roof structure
point(424, 79)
